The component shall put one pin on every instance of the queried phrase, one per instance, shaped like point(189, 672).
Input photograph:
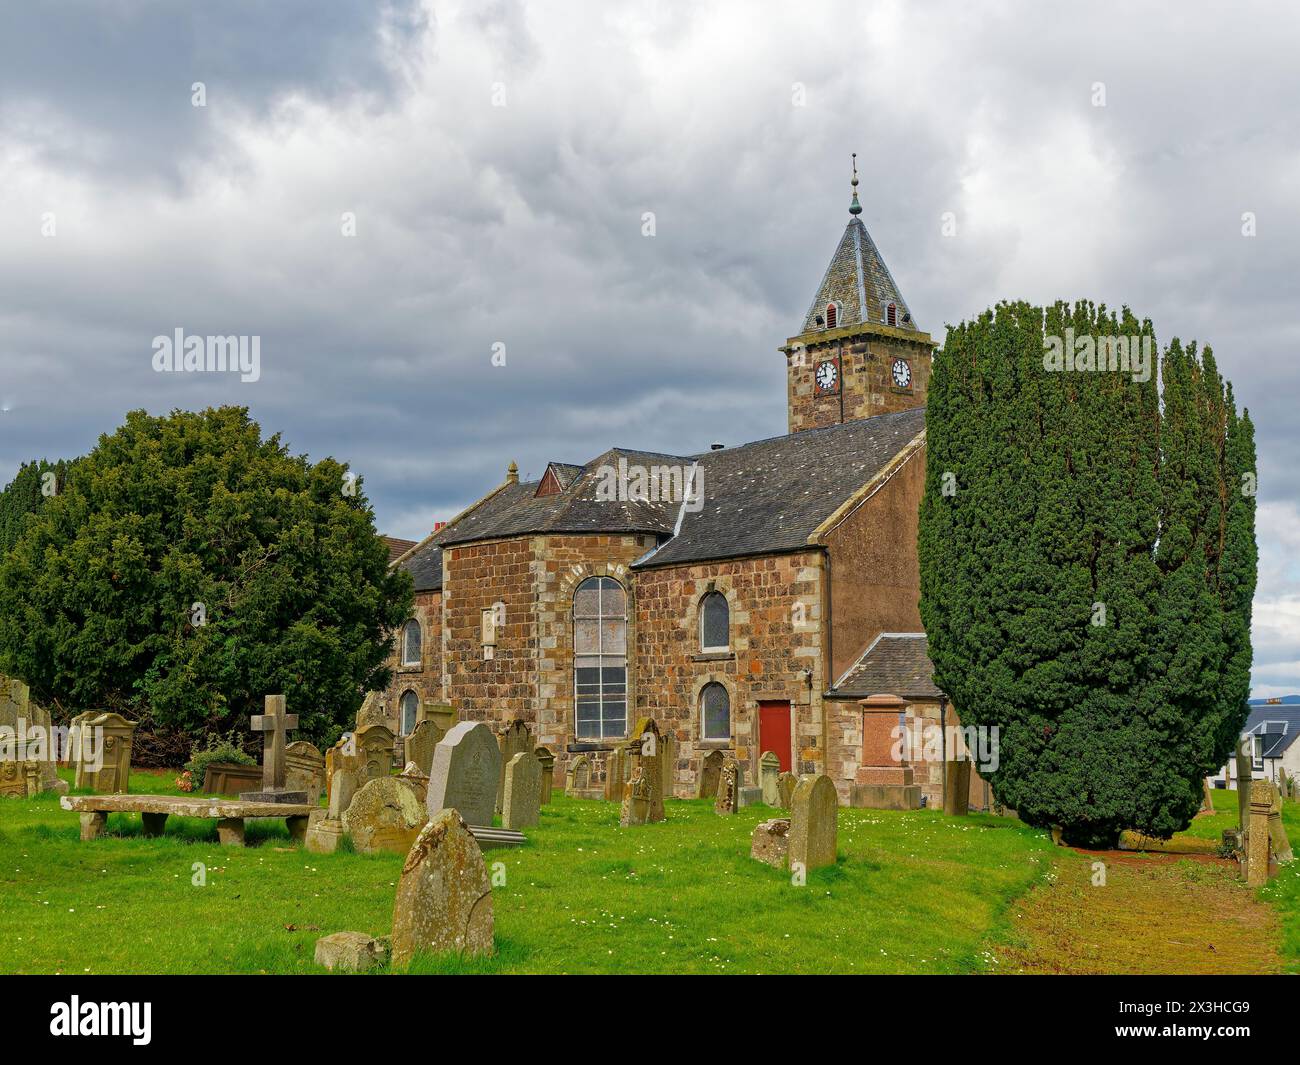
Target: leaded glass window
point(600, 659)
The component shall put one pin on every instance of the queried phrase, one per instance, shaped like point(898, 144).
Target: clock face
point(827, 376)
point(902, 373)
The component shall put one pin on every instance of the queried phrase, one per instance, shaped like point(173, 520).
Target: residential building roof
point(895, 663)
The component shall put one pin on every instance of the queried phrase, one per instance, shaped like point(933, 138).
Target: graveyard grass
point(911, 893)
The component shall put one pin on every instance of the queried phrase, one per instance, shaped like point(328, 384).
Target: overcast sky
point(499, 159)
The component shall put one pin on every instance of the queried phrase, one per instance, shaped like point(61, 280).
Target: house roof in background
point(397, 547)
point(1277, 725)
point(895, 663)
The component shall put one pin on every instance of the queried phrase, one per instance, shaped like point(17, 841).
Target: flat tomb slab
point(182, 806)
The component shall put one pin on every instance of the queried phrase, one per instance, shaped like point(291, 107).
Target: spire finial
point(855, 208)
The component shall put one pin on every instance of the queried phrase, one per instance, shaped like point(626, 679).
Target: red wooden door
point(774, 730)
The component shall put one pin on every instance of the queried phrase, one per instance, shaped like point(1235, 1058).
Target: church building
point(755, 598)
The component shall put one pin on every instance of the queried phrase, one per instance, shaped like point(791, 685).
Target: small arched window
point(715, 712)
point(411, 643)
point(715, 623)
point(832, 315)
point(891, 314)
point(408, 711)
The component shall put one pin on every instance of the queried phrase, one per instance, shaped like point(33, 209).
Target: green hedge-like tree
point(24, 495)
point(187, 568)
point(1088, 561)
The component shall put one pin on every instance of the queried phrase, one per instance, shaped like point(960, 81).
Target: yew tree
point(1088, 561)
point(187, 567)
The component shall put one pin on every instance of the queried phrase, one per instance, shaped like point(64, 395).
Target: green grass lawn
point(912, 893)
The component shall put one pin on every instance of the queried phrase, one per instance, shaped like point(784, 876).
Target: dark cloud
point(522, 224)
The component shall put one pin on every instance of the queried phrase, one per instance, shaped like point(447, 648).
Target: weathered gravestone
point(637, 799)
point(956, 787)
point(385, 815)
point(617, 772)
point(769, 778)
point(645, 753)
point(547, 761)
point(523, 794)
point(577, 781)
point(444, 899)
point(421, 743)
point(668, 760)
point(513, 739)
point(786, 784)
point(710, 775)
point(374, 752)
point(814, 828)
point(749, 795)
point(325, 827)
point(274, 726)
point(1245, 772)
point(466, 768)
point(441, 714)
point(728, 800)
point(304, 770)
point(770, 842)
point(351, 952)
point(1258, 848)
point(1276, 832)
point(419, 781)
point(30, 767)
point(101, 751)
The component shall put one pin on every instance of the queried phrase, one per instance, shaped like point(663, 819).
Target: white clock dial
point(902, 373)
point(826, 376)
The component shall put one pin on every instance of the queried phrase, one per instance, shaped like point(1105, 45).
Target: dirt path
point(1155, 914)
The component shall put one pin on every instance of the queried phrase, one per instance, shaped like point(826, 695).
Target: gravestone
point(645, 753)
point(1258, 848)
point(444, 899)
point(1245, 772)
point(105, 737)
point(385, 815)
point(710, 775)
point(637, 799)
point(441, 714)
point(770, 842)
point(325, 827)
point(513, 739)
point(668, 758)
point(304, 770)
point(466, 768)
point(547, 760)
point(617, 772)
point(343, 755)
point(32, 769)
point(769, 778)
point(1276, 832)
point(374, 752)
point(523, 794)
point(420, 744)
point(351, 952)
point(814, 829)
point(577, 781)
point(786, 784)
point(956, 787)
point(274, 725)
point(749, 795)
point(419, 781)
point(728, 800)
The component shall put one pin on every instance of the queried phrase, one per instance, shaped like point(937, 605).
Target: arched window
point(715, 623)
point(891, 314)
point(408, 711)
point(832, 315)
point(715, 712)
point(600, 659)
point(411, 643)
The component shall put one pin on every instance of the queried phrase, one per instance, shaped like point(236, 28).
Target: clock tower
point(859, 353)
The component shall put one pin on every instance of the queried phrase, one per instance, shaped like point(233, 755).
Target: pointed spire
point(855, 208)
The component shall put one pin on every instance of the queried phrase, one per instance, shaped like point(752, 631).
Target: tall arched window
point(715, 712)
point(715, 623)
point(832, 315)
point(408, 711)
point(411, 643)
point(600, 659)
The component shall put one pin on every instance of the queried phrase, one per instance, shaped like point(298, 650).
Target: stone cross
point(273, 725)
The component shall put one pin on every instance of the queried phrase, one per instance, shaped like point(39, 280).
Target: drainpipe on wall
point(943, 741)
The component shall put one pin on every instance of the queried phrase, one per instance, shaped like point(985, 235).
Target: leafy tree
point(25, 494)
point(188, 568)
point(1087, 567)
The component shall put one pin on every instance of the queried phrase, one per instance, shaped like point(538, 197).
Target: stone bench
point(230, 814)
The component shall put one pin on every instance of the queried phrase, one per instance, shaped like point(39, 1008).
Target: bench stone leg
point(297, 828)
point(153, 823)
point(93, 824)
point(230, 831)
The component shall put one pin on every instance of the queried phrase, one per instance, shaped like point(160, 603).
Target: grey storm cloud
point(499, 160)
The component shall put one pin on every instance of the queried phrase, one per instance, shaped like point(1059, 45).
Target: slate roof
point(858, 279)
point(425, 567)
point(397, 547)
point(771, 495)
point(896, 663)
point(1278, 725)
